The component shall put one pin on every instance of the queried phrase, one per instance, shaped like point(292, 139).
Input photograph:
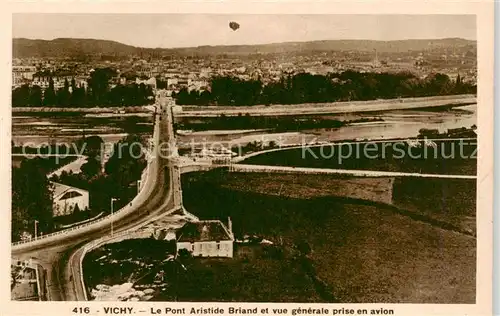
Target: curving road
point(58, 254)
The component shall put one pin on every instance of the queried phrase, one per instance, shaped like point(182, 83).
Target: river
point(64, 128)
point(400, 124)
point(393, 124)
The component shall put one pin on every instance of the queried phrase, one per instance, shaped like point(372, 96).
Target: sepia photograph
point(254, 158)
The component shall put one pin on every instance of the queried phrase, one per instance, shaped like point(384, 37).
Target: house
point(209, 238)
point(197, 85)
point(43, 81)
point(148, 82)
point(66, 198)
point(22, 74)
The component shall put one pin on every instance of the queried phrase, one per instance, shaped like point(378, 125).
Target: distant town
point(50, 73)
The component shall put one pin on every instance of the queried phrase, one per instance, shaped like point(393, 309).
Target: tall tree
point(36, 96)
point(63, 95)
point(72, 101)
point(91, 168)
point(21, 96)
point(49, 98)
point(79, 97)
point(458, 84)
point(99, 85)
point(31, 198)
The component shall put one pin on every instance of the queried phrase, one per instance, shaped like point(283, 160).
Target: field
point(241, 280)
point(363, 252)
point(449, 203)
point(334, 239)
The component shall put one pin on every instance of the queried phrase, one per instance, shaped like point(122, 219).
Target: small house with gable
point(66, 198)
point(208, 238)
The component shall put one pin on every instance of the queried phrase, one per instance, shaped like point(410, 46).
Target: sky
point(187, 30)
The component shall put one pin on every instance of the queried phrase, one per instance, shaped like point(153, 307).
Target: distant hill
point(61, 47)
point(72, 47)
point(336, 45)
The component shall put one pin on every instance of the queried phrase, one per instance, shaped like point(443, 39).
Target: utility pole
point(36, 231)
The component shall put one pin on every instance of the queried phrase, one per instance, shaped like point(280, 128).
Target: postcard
point(275, 159)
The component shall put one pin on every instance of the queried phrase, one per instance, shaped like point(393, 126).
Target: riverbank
point(56, 110)
point(327, 108)
point(437, 156)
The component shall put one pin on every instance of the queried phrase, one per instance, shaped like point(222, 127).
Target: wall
point(208, 249)
point(200, 167)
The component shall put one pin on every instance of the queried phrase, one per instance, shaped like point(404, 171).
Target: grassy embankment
point(326, 249)
point(446, 158)
point(361, 252)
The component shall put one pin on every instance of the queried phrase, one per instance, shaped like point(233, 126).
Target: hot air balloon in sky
point(234, 26)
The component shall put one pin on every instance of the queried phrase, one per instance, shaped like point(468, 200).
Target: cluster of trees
point(129, 95)
point(98, 93)
point(117, 180)
point(31, 190)
point(308, 88)
point(31, 198)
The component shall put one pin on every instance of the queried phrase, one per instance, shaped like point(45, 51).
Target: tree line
point(334, 87)
point(97, 93)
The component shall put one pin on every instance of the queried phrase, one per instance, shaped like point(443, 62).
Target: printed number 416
point(81, 310)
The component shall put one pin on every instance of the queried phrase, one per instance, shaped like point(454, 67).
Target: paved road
point(58, 254)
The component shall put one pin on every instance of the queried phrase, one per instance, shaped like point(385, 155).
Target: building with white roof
point(66, 198)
